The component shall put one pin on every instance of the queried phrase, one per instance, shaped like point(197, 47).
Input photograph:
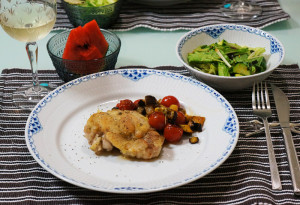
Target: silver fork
point(262, 108)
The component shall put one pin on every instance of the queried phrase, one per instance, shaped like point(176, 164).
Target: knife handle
point(275, 177)
point(292, 158)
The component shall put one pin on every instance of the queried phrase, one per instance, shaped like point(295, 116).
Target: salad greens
point(91, 3)
point(227, 59)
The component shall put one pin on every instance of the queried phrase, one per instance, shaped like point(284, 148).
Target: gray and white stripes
point(244, 178)
point(187, 16)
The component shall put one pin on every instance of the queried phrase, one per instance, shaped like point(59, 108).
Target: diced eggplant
point(198, 119)
point(162, 109)
point(172, 116)
point(186, 128)
point(193, 140)
point(141, 103)
point(196, 127)
point(150, 100)
point(174, 107)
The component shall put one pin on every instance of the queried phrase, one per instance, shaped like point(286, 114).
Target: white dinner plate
point(55, 138)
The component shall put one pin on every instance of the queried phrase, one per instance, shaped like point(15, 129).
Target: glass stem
point(32, 52)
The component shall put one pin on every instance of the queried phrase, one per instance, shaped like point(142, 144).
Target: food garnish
point(222, 57)
point(228, 59)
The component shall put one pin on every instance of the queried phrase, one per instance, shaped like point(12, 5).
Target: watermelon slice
point(85, 43)
point(96, 37)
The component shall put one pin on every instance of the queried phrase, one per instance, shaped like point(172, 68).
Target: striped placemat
point(187, 16)
point(244, 178)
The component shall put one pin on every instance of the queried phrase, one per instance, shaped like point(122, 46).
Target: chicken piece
point(129, 131)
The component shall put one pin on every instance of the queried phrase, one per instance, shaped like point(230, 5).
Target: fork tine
point(262, 96)
point(267, 96)
point(253, 97)
point(257, 96)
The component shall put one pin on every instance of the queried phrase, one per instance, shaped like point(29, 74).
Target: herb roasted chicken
point(128, 131)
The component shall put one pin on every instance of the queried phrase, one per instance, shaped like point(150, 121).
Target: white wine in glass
point(29, 21)
point(241, 10)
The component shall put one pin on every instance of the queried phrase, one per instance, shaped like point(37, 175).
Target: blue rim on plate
point(230, 127)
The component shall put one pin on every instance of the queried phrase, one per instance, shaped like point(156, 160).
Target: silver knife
point(283, 111)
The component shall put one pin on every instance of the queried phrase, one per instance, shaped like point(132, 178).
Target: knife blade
point(283, 111)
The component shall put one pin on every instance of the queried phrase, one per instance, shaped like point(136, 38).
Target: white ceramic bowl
point(242, 35)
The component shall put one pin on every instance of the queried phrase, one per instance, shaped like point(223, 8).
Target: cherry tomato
point(137, 102)
point(180, 118)
point(157, 120)
point(126, 105)
point(173, 133)
point(170, 100)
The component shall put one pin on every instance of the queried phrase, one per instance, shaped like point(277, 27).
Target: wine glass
point(28, 21)
point(241, 10)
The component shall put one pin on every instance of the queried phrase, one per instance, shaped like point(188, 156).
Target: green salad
point(227, 59)
point(91, 3)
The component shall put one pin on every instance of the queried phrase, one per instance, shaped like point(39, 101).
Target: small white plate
point(54, 132)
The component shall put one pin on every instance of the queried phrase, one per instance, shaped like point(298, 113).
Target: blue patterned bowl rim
point(215, 31)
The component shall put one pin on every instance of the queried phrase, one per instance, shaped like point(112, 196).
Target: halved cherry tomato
point(173, 133)
point(157, 120)
point(180, 119)
point(170, 100)
point(137, 102)
point(126, 105)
